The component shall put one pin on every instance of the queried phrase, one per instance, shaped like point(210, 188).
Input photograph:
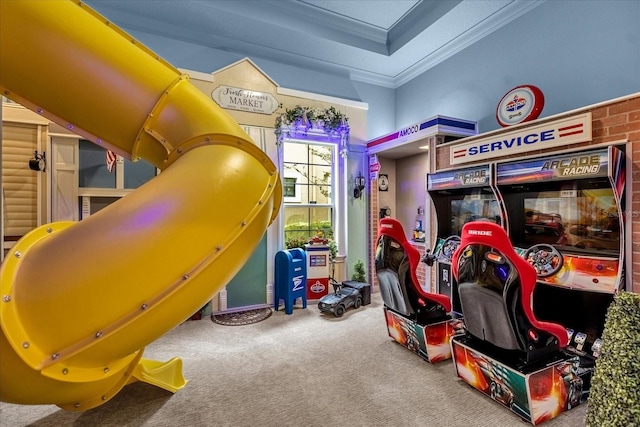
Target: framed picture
point(383, 182)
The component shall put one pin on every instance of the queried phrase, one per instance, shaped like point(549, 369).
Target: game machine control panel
point(566, 220)
point(458, 197)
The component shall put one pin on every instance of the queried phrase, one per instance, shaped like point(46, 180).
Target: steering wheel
point(449, 246)
point(545, 259)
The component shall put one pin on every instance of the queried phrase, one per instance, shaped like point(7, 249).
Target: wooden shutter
point(19, 183)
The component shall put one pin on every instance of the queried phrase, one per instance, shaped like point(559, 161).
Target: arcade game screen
point(465, 208)
point(578, 220)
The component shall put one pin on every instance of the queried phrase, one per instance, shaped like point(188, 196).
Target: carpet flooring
point(304, 369)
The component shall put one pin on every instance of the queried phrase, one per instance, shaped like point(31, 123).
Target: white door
point(63, 164)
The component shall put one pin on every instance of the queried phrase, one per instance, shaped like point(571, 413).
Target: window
point(98, 187)
point(92, 166)
point(289, 185)
point(94, 174)
point(308, 189)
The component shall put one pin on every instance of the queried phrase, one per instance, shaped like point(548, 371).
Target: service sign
point(235, 98)
point(558, 133)
point(520, 104)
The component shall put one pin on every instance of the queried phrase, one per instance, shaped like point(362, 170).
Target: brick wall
point(374, 208)
point(621, 120)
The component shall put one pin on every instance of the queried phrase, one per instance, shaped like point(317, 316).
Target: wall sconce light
point(38, 163)
point(359, 185)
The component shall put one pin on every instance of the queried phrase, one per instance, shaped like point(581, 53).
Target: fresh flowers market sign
point(235, 98)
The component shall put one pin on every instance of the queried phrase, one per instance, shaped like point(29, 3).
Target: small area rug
point(242, 317)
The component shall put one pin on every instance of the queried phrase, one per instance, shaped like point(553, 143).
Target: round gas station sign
point(520, 104)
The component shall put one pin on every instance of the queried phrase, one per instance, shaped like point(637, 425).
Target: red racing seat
point(496, 288)
point(396, 264)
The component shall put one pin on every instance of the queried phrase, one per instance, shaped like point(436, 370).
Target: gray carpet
point(304, 369)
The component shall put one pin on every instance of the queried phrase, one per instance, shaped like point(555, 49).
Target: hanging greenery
point(300, 120)
point(330, 120)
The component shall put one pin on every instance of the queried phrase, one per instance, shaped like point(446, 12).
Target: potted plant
point(322, 237)
point(614, 399)
point(359, 274)
point(295, 242)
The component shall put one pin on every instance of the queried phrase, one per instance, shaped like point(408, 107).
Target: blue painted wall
point(577, 53)
point(188, 56)
point(381, 116)
point(194, 57)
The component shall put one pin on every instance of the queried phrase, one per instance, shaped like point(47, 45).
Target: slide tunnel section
point(80, 301)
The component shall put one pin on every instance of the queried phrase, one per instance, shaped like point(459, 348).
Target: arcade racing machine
point(566, 218)
point(418, 320)
point(507, 352)
point(459, 196)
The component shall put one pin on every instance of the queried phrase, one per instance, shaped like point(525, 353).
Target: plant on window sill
point(319, 238)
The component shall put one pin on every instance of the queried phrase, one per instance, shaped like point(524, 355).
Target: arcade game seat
point(496, 292)
point(506, 352)
point(417, 319)
point(396, 264)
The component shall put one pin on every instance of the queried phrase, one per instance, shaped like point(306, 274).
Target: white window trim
point(338, 191)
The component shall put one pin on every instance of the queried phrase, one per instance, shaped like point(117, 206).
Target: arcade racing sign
point(459, 178)
point(561, 132)
point(555, 168)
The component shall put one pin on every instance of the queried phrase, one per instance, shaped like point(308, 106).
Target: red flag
point(111, 160)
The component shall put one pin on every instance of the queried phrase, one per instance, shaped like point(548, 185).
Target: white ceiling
point(383, 42)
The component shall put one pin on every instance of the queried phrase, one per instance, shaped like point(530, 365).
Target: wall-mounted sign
point(374, 167)
point(235, 98)
point(568, 166)
point(433, 126)
point(520, 104)
point(561, 132)
point(383, 182)
point(472, 177)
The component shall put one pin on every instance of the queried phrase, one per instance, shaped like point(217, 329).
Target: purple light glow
point(152, 216)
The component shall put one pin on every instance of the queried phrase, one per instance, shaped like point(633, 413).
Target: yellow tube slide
point(80, 301)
